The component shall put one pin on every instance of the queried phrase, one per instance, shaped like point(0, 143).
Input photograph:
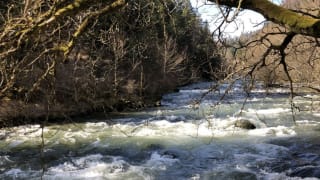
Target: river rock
point(244, 124)
point(175, 153)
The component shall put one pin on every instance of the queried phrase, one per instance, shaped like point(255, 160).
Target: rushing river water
point(180, 140)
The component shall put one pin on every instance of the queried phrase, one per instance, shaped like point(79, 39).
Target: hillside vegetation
point(71, 64)
point(258, 54)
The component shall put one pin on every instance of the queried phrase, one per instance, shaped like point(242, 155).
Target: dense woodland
point(118, 60)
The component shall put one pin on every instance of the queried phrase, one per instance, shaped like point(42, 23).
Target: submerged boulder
point(244, 124)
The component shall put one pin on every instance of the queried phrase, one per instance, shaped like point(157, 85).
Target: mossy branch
point(75, 5)
point(297, 23)
point(50, 17)
point(107, 9)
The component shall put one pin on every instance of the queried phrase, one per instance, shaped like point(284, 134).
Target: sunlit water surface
point(180, 140)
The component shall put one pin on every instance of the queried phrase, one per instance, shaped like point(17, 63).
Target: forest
point(149, 89)
point(65, 58)
point(60, 63)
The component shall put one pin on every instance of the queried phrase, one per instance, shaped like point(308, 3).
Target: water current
point(183, 139)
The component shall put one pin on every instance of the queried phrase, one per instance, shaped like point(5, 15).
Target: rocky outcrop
point(244, 124)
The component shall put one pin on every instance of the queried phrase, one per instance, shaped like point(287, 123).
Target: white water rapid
point(180, 140)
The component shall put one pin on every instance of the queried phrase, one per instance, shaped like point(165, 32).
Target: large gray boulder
point(244, 124)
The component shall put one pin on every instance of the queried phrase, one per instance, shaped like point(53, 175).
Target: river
point(182, 139)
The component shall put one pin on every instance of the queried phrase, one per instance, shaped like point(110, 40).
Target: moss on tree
point(297, 23)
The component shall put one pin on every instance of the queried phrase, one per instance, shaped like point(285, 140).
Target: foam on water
point(269, 111)
point(91, 166)
point(15, 143)
point(316, 114)
point(279, 131)
point(177, 141)
point(283, 176)
point(112, 167)
point(160, 162)
point(14, 172)
point(199, 128)
point(306, 122)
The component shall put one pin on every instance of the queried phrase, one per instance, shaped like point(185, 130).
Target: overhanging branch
point(297, 23)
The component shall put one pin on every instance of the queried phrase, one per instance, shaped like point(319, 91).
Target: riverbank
point(14, 113)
